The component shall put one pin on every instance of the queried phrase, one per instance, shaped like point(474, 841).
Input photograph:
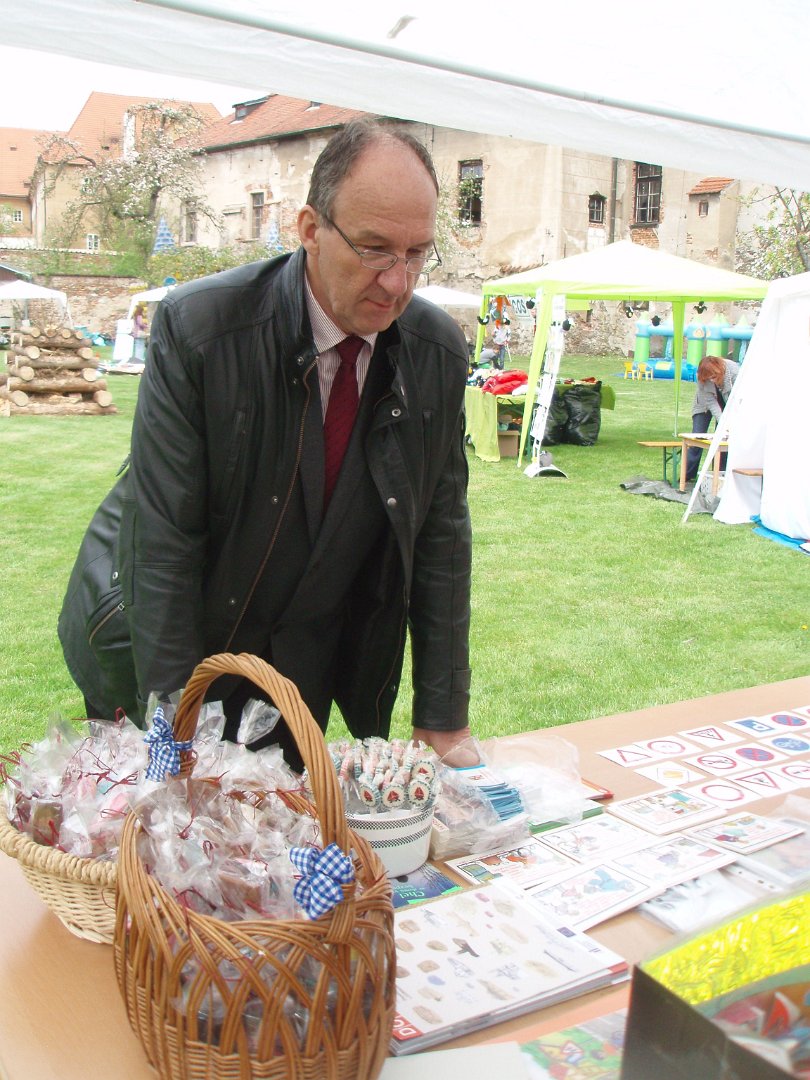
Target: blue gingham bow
point(164, 752)
point(318, 891)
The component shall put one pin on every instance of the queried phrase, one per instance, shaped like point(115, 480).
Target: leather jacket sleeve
point(168, 536)
point(439, 612)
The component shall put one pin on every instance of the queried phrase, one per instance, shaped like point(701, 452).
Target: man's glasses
point(384, 260)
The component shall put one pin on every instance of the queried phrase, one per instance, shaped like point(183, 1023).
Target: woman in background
point(140, 332)
point(715, 378)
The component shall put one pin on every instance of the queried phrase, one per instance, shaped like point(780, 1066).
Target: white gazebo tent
point(20, 292)
point(449, 298)
point(124, 347)
point(766, 419)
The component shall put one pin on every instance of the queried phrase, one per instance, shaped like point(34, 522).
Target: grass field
point(586, 600)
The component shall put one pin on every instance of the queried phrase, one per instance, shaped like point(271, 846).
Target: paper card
point(788, 744)
point(673, 860)
point(801, 710)
point(525, 865)
point(745, 832)
point(785, 863)
point(591, 895)
point(718, 763)
point(670, 773)
point(788, 720)
point(700, 902)
point(724, 793)
point(756, 754)
point(711, 735)
point(753, 725)
point(734, 758)
point(767, 782)
point(472, 1062)
point(797, 771)
point(669, 747)
point(665, 811)
point(627, 756)
point(588, 1051)
point(596, 839)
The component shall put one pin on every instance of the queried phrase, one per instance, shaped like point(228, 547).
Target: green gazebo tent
point(619, 271)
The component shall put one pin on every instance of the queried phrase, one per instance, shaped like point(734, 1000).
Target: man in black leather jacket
point(218, 539)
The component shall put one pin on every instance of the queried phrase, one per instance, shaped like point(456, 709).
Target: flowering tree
point(119, 194)
point(781, 246)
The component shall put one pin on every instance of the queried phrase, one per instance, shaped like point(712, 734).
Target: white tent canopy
point(767, 415)
point(19, 291)
point(443, 297)
point(719, 89)
point(150, 296)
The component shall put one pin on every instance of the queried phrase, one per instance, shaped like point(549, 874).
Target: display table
point(61, 1014)
point(482, 419)
point(482, 410)
point(704, 442)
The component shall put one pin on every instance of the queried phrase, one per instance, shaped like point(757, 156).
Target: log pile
point(52, 371)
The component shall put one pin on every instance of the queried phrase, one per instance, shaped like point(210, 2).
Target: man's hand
point(455, 748)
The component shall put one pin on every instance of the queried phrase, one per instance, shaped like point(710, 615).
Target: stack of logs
point(52, 372)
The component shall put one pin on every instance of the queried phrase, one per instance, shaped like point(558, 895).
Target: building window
point(92, 241)
point(470, 191)
point(257, 214)
point(703, 208)
point(16, 216)
point(648, 194)
point(189, 230)
point(596, 209)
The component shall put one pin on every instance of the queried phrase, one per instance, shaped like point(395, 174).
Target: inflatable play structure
point(715, 338)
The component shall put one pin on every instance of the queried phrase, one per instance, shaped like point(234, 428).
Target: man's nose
point(395, 280)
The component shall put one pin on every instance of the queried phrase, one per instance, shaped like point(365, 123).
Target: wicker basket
point(270, 999)
point(81, 892)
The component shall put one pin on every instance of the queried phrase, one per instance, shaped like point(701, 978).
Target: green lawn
point(587, 600)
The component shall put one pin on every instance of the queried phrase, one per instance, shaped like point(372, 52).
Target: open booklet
point(478, 957)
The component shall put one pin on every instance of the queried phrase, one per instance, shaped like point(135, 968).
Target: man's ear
point(308, 225)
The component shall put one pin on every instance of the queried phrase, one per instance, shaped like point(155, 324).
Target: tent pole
point(481, 329)
point(544, 301)
point(678, 307)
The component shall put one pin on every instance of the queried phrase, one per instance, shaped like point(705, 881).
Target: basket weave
point(81, 892)
point(320, 993)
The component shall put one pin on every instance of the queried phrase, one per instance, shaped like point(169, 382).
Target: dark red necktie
point(340, 412)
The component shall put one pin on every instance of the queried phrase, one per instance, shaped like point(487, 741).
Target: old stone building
point(507, 204)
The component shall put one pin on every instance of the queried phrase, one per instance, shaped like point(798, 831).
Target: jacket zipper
point(282, 515)
point(118, 607)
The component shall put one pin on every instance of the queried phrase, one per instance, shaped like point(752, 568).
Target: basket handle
point(308, 736)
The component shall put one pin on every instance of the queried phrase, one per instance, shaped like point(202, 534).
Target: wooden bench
point(749, 472)
point(671, 454)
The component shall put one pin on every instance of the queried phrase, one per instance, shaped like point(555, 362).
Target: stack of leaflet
point(503, 797)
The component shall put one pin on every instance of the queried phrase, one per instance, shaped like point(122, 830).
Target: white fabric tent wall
point(721, 89)
point(767, 417)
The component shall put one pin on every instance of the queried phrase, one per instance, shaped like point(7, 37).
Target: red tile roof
point(19, 149)
point(101, 120)
point(711, 185)
point(274, 116)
